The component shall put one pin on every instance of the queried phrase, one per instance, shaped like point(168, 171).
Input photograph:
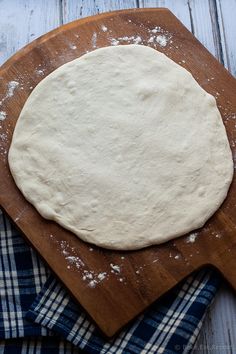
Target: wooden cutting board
point(114, 287)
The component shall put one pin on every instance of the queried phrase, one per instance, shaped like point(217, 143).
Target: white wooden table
point(211, 21)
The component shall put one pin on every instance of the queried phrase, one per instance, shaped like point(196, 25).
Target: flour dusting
point(74, 260)
point(3, 137)
point(192, 237)
point(137, 40)
point(40, 72)
point(12, 85)
point(160, 36)
point(177, 256)
point(156, 30)
point(161, 40)
point(102, 275)
point(72, 46)
point(151, 39)
point(127, 39)
point(230, 117)
point(92, 283)
point(114, 41)
point(3, 115)
point(115, 268)
point(104, 28)
point(94, 40)
point(91, 277)
point(156, 36)
point(216, 234)
point(69, 255)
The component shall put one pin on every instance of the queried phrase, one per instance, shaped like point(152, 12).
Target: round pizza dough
point(123, 148)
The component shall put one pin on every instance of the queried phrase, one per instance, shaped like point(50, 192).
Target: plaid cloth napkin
point(34, 305)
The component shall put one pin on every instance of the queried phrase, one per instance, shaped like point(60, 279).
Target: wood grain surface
point(144, 275)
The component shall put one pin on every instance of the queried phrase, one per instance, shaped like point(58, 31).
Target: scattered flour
point(65, 252)
point(161, 37)
point(156, 36)
point(3, 152)
point(40, 72)
point(114, 41)
point(216, 234)
point(102, 275)
point(177, 256)
point(192, 237)
point(137, 40)
point(230, 117)
point(72, 46)
point(161, 40)
point(3, 115)
point(74, 260)
point(115, 268)
point(92, 277)
point(131, 39)
point(104, 28)
point(68, 252)
point(94, 40)
point(88, 275)
point(156, 30)
point(3, 137)
point(92, 283)
point(151, 39)
point(12, 85)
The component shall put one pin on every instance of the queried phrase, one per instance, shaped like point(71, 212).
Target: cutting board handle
point(226, 265)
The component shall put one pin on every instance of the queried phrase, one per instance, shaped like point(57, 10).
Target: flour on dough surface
point(123, 148)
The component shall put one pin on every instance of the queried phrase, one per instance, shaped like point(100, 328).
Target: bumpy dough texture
point(123, 148)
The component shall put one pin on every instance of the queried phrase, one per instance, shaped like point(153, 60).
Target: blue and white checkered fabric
point(34, 305)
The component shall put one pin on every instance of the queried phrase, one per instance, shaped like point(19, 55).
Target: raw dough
point(123, 148)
